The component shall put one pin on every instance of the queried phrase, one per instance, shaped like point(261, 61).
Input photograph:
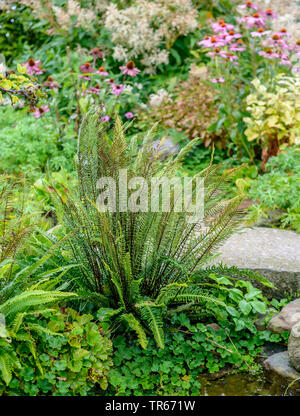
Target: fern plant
point(139, 265)
point(24, 290)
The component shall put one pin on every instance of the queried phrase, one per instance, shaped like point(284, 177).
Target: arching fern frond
point(134, 324)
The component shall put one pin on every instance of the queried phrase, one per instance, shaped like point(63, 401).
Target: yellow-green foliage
point(275, 111)
point(18, 84)
point(55, 352)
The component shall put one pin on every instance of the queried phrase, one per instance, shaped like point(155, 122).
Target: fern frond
point(22, 302)
point(152, 315)
point(134, 324)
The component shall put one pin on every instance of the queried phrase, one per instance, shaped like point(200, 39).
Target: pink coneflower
point(50, 83)
point(111, 81)
point(278, 42)
point(86, 68)
point(270, 13)
point(221, 27)
point(232, 35)
point(251, 21)
point(94, 90)
point(231, 57)
point(217, 80)
point(217, 52)
point(248, 5)
point(102, 71)
point(41, 111)
point(284, 60)
point(269, 53)
point(260, 32)
point(97, 53)
point(283, 33)
point(105, 119)
point(237, 47)
point(117, 89)
point(212, 42)
point(33, 67)
point(130, 69)
point(84, 77)
point(129, 115)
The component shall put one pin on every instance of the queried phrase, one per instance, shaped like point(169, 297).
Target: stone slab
point(272, 252)
point(262, 248)
point(280, 365)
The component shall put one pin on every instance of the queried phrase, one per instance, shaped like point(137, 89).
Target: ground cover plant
point(278, 190)
point(71, 356)
point(98, 299)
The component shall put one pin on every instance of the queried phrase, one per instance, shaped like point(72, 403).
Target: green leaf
point(245, 307)
point(259, 306)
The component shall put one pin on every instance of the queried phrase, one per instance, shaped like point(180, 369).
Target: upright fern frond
point(141, 261)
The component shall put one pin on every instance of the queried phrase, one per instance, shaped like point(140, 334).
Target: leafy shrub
point(192, 111)
point(72, 356)
point(21, 292)
point(191, 349)
point(274, 115)
point(279, 189)
point(15, 85)
point(27, 144)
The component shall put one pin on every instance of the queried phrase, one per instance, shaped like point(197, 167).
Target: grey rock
point(263, 248)
point(285, 283)
point(280, 364)
point(273, 253)
point(294, 346)
point(263, 319)
point(286, 318)
point(168, 148)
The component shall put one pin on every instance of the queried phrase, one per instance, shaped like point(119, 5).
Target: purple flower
point(283, 33)
point(129, 115)
point(217, 52)
point(285, 61)
point(130, 69)
point(260, 32)
point(248, 5)
point(94, 90)
point(221, 27)
point(232, 35)
point(41, 110)
point(33, 67)
point(212, 42)
point(50, 83)
point(97, 53)
point(105, 119)
point(277, 41)
point(270, 13)
point(117, 89)
point(86, 68)
point(217, 80)
point(269, 54)
point(102, 71)
point(237, 47)
point(231, 57)
point(255, 20)
point(84, 77)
